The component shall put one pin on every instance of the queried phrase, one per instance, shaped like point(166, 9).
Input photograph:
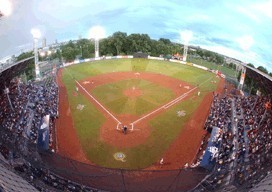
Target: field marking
point(119, 122)
point(173, 102)
point(163, 107)
point(169, 104)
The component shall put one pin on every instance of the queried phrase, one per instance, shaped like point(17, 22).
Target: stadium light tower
point(245, 43)
point(5, 8)
point(36, 35)
point(186, 36)
point(96, 33)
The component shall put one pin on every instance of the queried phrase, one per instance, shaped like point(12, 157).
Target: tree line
point(119, 43)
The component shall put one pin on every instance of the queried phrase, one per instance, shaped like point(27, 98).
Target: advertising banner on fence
point(43, 133)
point(156, 58)
point(200, 67)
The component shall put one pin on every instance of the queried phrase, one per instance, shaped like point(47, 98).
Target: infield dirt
point(181, 151)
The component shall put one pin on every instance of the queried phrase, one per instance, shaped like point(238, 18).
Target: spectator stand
point(211, 152)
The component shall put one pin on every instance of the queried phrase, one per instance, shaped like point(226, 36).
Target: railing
point(105, 178)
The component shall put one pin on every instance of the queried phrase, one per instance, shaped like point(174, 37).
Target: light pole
point(186, 36)
point(185, 50)
point(96, 33)
point(36, 35)
point(96, 47)
point(81, 51)
point(6, 8)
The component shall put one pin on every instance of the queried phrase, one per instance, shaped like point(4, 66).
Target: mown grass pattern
point(164, 128)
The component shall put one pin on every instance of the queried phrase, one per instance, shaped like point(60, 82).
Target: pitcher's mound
point(133, 92)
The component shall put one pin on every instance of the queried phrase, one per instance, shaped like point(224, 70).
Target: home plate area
point(126, 128)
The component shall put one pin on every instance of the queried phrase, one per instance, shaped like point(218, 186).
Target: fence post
point(177, 180)
point(123, 180)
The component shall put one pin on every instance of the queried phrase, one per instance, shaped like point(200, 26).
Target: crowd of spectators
point(23, 107)
point(13, 105)
point(220, 113)
point(43, 101)
point(219, 117)
point(255, 129)
point(245, 140)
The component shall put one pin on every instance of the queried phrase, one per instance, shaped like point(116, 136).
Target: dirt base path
point(177, 86)
point(141, 132)
point(67, 141)
point(184, 149)
point(181, 151)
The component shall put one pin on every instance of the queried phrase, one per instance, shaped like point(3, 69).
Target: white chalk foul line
point(98, 103)
point(164, 106)
point(182, 96)
point(174, 102)
point(177, 100)
point(171, 103)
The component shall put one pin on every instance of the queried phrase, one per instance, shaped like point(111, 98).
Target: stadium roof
point(8, 72)
point(262, 80)
point(10, 181)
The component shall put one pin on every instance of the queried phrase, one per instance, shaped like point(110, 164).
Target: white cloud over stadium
point(240, 29)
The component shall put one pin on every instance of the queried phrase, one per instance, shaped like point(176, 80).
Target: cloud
point(245, 42)
point(265, 8)
point(241, 29)
point(248, 13)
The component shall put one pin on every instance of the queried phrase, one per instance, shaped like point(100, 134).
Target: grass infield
point(113, 97)
point(88, 121)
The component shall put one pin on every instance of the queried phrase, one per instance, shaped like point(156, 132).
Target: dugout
point(140, 55)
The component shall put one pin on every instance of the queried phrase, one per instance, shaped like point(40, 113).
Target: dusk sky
point(240, 29)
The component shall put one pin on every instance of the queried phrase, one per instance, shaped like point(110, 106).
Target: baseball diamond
point(135, 96)
point(92, 135)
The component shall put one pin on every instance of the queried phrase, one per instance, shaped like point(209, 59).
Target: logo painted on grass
point(181, 113)
point(80, 107)
point(119, 156)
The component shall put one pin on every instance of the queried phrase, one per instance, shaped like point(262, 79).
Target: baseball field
point(164, 105)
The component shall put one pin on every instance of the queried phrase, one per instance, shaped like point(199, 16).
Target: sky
point(241, 29)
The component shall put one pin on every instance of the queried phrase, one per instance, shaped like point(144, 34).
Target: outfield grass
point(112, 96)
point(225, 70)
point(89, 120)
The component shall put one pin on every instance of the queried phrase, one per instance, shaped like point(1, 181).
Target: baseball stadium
point(130, 113)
